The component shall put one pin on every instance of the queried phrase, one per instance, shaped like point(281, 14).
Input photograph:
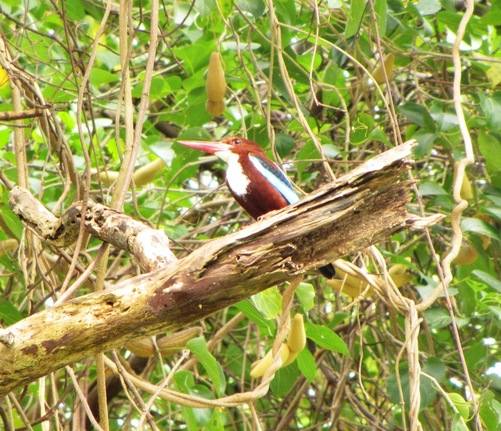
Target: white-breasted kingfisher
point(257, 183)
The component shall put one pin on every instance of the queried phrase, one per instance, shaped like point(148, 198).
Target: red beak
point(207, 146)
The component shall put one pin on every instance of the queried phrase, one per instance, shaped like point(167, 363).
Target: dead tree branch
point(357, 210)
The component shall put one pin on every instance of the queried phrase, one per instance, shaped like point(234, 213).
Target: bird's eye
point(237, 141)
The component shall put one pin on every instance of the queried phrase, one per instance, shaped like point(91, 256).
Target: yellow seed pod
point(466, 188)
point(388, 63)
point(167, 345)
point(142, 347)
point(348, 283)
point(145, 174)
point(354, 281)
point(292, 357)
point(173, 343)
point(467, 255)
point(486, 241)
point(400, 274)
point(216, 83)
point(8, 246)
point(4, 78)
point(215, 108)
point(297, 335)
point(107, 177)
point(261, 366)
point(343, 286)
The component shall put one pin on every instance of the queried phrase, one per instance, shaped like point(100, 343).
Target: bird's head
point(226, 148)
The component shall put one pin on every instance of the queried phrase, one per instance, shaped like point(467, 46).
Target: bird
point(257, 183)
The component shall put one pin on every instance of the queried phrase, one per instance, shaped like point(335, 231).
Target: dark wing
point(275, 176)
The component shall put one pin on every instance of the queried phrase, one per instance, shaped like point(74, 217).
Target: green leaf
point(267, 327)
point(428, 188)
point(330, 151)
point(427, 389)
point(326, 338)
point(198, 347)
point(494, 74)
point(12, 221)
point(491, 108)
point(305, 61)
point(205, 7)
point(306, 364)
point(377, 134)
point(5, 133)
point(488, 279)
point(285, 144)
point(218, 420)
point(159, 87)
point(75, 9)
point(445, 121)
point(460, 403)
point(196, 55)
point(436, 368)
point(458, 424)
point(425, 143)
point(357, 10)
point(496, 200)
point(417, 114)
point(479, 227)
point(184, 380)
point(268, 302)
point(202, 415)
point(193, 417)
point(493, 16)
point(428, 7)
point(381, 8)
point(437, 318)
point(102, 76)
point(494, 212)
point(490, 411)
point(305, 293)
point(496, 311)
point(284, 380)
point(8, 313)
point(255, 7)
point(490, 148)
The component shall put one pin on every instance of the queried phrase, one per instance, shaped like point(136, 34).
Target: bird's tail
point(328, 271)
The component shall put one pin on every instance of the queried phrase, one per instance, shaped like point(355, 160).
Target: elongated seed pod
point(400, 274)
point(466, 188)
point(467, 255)
point(297, 335)
point(291, 358)
point(8, 246)
point(343, 286)
point(261, 366)
point(388, 64)
point(147, 173)
point(215, 85)
point(167, 345)
point(215, 108)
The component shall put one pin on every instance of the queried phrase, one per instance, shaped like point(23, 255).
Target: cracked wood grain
point(347, 215)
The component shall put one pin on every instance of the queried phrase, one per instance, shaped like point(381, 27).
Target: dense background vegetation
point(305, 81)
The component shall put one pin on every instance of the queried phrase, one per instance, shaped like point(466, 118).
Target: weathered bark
point(347, 215)
point(149, 246)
